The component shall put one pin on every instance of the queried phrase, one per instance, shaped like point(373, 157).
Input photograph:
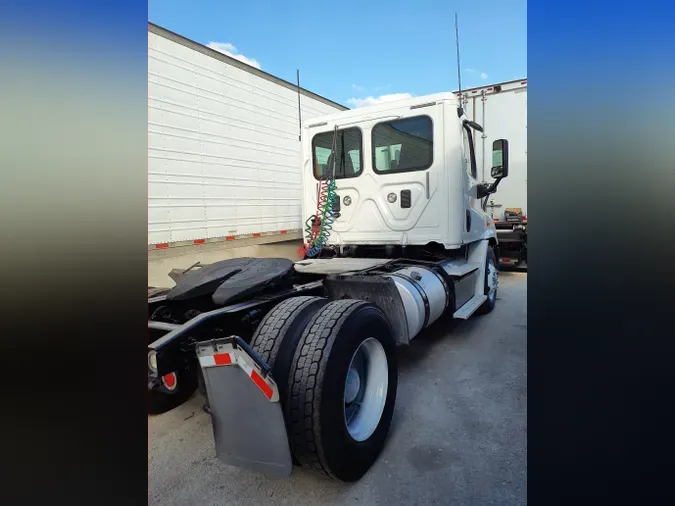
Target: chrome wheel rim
point(365, 391)
point(493, 281)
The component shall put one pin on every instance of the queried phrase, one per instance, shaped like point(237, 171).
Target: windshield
point(348, 154)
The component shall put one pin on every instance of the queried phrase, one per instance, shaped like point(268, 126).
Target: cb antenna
point(460, 111)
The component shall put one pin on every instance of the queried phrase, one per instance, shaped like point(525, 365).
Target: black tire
point(278, 334)
point(162, 399)
point(319, 437)
point(489, 304)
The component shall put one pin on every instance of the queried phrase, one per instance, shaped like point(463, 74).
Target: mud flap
point(248, 422)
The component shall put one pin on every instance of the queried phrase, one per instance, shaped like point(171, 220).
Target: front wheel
point(342, 387)
point(491, 282)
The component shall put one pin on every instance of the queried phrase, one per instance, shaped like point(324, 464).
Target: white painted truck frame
point(297, 360)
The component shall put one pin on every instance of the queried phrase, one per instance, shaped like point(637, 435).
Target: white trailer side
point(502, 111)
point(223, 148)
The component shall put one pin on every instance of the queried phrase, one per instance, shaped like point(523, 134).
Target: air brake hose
point(319, 225)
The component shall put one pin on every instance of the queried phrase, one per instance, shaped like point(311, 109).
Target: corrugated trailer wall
point(503, 114)
point(223, 149)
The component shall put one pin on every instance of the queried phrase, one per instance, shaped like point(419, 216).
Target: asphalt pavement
point(458, 436)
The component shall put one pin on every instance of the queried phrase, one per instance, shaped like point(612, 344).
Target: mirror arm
point(485, 190)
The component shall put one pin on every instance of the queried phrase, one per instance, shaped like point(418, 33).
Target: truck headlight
point(152, 361)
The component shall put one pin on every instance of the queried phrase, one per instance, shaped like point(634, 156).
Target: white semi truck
point(502, 111)
point(297, 361)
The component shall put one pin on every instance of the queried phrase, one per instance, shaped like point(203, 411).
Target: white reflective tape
point(207, 361)
point(244, 365)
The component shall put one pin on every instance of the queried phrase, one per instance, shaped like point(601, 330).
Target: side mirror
point(500, 159)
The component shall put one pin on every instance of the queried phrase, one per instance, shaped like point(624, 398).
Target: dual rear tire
point(335, 366)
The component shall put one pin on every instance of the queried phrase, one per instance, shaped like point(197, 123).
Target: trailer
point(223, 149)
point(296, 360)
point(502, 111)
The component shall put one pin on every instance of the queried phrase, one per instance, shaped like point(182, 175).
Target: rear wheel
point(174, 389)
point(491, 282)
point(278, 334)
point(343, 389)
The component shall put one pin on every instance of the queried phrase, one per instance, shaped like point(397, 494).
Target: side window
point(403, 145)
point(347, 157)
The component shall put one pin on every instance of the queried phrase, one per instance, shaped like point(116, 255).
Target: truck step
point(459, 268)
point(464, 312)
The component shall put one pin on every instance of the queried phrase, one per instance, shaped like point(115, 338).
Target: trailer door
point(504, 116)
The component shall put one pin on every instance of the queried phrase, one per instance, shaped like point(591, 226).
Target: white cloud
point(357, 87)
point(364, 102)
point(483, 75)
point(230, 50)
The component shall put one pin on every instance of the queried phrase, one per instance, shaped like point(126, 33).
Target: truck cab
point(405, 174)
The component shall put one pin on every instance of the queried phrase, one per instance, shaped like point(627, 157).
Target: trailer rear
point(502, 111)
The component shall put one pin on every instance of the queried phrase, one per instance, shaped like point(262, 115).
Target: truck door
point(474, 222)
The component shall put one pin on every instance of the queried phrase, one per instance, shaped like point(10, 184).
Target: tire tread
point(306, 379)
point(266, 340)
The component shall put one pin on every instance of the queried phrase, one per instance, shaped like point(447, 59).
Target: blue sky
point(361, 52)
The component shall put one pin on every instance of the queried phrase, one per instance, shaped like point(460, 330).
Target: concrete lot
point(458, 435)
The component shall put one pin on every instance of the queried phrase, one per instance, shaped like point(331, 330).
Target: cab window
point(347, 156)
point(403, 145)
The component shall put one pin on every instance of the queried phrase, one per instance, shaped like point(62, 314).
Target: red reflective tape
point(489, 89)
point(284, 232)
point(506, 260)
point(199, 241)
point(222, 359)
point(162, 245)
point(474, 91)
point(257, 234)
point(257, 379)
point(229, 238)
point(523, 82)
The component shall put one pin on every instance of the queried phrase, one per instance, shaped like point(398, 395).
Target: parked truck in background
point(223, 149)
point(502, 111)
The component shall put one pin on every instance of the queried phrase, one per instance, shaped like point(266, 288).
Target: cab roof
point(375, 110)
